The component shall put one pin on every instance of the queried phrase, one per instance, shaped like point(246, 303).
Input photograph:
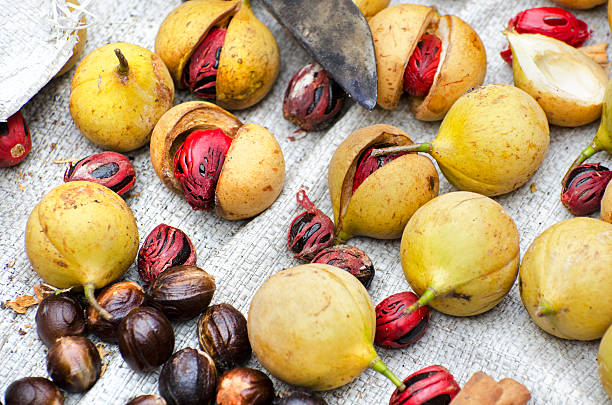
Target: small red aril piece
point(15, 141)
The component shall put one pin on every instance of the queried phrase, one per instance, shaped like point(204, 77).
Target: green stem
point(416, 147)
point(379, 366)
point(589, 151)
point(88, 289)
point(425, 299)
point(342, 237)
point(545, 309)
point(123, 67)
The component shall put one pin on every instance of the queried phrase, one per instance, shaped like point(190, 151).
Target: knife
point(338, 37)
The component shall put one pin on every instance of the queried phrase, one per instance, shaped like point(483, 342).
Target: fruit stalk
point(589, 151)
point(379, 366)
point(423, 300)
point(88, 289)
point(123, 67)
point(416, 147)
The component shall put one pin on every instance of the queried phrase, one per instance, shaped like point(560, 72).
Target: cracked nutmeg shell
point(109, 169)
point(182, 292)
point(398, 31)
point(252, 173)
point(15, 140)
point(222, 333)
point(220, 51)
point(349, 258)
point(74, 363)
point(392, 189)
point(118, 299)
point(431, 385)
point(189, 377)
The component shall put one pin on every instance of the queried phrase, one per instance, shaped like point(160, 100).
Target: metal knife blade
point(337, 36)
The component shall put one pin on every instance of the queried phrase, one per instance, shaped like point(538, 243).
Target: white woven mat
point(504, 342)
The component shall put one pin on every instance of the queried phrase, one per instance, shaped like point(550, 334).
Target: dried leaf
point(533, 188)
point(22, 303)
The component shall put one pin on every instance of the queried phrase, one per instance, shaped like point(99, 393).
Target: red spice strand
point(305, 202)
point(368, 164)
point(552, 22)
point(422, 66)
point(200, 74)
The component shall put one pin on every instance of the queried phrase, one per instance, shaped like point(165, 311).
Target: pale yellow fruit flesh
point(605, 213)
point(114, 111)
point(464, 247)
point(369, 8)
point(313, 326)
point(81, 233)
point(604, 362)
point(567, 84)
point(565, 279)
point(492, 140)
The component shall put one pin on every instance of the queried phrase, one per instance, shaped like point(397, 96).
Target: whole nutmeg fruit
point(146, 339)
point(118, 300)
point(579, 4)
point(433, 384)
point(313, 100)
point(57, 316)
point(74, 363)
point(15, 140)
point(242, 179)
point(435, 68)
point(376, 196)
point(33, 391)
point(245, 386)
point(222, 333)
point(220, 51)
point(349, 258)
point(182, 292)
point(106, 81)
point(147, 400)
point(164, 247)
point(301, 398)
point(189, 377)
point(396, 326)
point(584, 187)
point(109, 169)
point(310, 232)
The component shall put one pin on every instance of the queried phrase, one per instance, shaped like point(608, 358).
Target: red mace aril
point(311, 231)
point(15, 141)
point(109, 169)
point(422, 66)
point(552, 22)
point(200, 75)
point(368, 164)
point(349, 258)
point(396, 326)
point(164, 247)
point(197, 165)
point(312, 99)
point(431, 385)
point(583, 188)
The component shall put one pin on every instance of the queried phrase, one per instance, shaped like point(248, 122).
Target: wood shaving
point(103, 352)
point(21, 187)
point(23, 302)
point(11, 263)
point(533, 188)
point(62, 161)
point(134, 195)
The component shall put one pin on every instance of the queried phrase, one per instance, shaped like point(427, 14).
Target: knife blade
point(337, 36)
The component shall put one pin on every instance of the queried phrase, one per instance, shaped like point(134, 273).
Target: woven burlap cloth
point(503, 342)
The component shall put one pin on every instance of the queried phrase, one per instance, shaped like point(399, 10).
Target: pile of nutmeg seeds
point(207, 217)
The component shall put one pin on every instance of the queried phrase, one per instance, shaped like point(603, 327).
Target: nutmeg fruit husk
point(396, 32)
point(403, 184)
point(253, 172)
point(78, 48)
point(605, 213)
point(104, 86)
point(604, 361)
point(579, 4)
point(249, 61)
point(565, 278)
point(369, 8)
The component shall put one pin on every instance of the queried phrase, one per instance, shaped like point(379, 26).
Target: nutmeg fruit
point(383, 202)
point(74, 363)
point(397, 32)
point(579, 4)
point(253, 171)
point(188, 377)
point(33, 391)
point(57, 316)
point(247, 63)
point(369, 8)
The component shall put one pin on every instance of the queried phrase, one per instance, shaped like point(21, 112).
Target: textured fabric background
point(503, 342)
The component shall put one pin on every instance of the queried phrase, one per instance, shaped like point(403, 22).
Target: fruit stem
point(589, 151)
point(379, 366)
point(416, 147)
point(88, 289)
point(123, 67)
point(545, 309)
point(425, 299)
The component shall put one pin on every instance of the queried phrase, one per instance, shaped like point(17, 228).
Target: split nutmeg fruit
point(204, 152)
point(435, 58)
